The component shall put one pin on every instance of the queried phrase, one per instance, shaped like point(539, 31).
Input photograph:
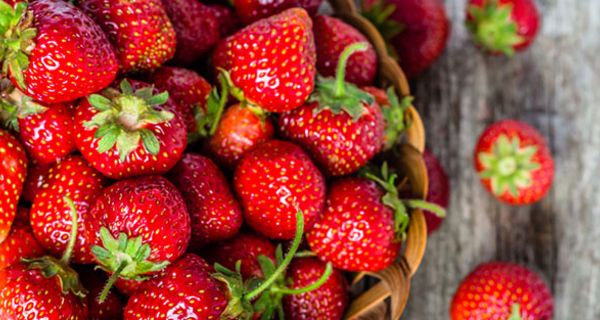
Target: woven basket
point(383, 295)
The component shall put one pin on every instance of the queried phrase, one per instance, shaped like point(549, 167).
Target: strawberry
point(503, 26)
point(438, 192)
point(514, 162)
point(227, 19)
point(416, 30)
point(253, 10)
point(327, 302)
point(273, 181)
point(13, 169)
point(54, 52)
point(245, 247)
point(125, 133)
point(272, 61)
point(196, 26)
point(393, 110)
point(342, 127)
point(332, 36)
point(240, 130)
point(502, 290)
point(111, 308)
point(141, 225)
point(215, 213)
point(50, 215)
point(364, 223)
point(36, 175)
point(20, 244)
point(139, 30)
point(44, 288)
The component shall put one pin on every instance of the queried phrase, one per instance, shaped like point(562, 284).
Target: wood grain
point(555, 86)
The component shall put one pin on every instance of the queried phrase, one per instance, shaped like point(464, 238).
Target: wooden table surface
point(554, 86)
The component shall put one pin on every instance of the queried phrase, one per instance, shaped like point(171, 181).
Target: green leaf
point(126, 87)
point(100, 102)
point(127, 141)
point(108, 140)
point(150, 142)
point(159, 99)
point(144, 93)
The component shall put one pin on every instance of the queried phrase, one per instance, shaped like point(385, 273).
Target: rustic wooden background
point(554, 86)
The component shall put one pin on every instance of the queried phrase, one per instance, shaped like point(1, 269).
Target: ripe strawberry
point(36, 175)
point(364, 223)
point(439, 190)
point(50, 215)
point(140, 31)
point(13, 169)
point(20, 244)
point(503, 26)
point(196, 26)
point(253, 10)
point(328, 302)
point(54, 52)
point(274, 181)
point(123, 133)
point(393, 110)
point(342, 127)
point(215, 213)
point(240, 130)
point(501, 290)
point(332, 36)
point(141, 225)
point(416, 30)
point(272, 61)
point(514, 162)
point(245, 247)
point(227, 19)
point(111, 308)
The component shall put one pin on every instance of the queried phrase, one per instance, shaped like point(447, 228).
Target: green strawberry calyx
point(516, 312)
point(379, 14)
point(508, 165)
point(208, 118)
point(52, 267)
point(387, 181)
point(124, 117)
point(15, 105)
point(396, 122)
point(337, 95)
point(16, 40)
point(493, 28)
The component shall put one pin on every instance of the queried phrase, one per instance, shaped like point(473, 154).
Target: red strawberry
point(501, 290)
point(111, 308)
point(140, 31)
point(272, 61)
point(245, 247)
point(50, 215)
point(240, 130)
point(503, 26)
point(123, 133)
point(274, 181)
point(439, 190)
point(332, 36)
point(416, 30)
point(142, 225)
point(196, 26)
point(13, 169)
point(20, 244)
point(393, 111)
point(215, 213)
point(227, 19)
point(343, 128)
point(514, 162)
point(36, 175)
point(253, 10)
point(328, 302)
point(219, 57)
point(186, 88)
point(56, 52)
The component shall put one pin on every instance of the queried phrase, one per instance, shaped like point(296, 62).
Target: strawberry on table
point(125, 133)
point(502, 290)
point(253, 10)
point(514, 162)
point(20, 244)
point(56, 52)
point(13, 170)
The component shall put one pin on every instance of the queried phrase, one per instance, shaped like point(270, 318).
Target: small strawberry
point(514, 162)
point(140, 31)
point(141, 225)
point(272, 61)
point(393, 110)
point(13, 170)
point(438, 192)
point(36, 175)
point(20, 244)
point(364, 223)
point(253, 10)
point(54, 52)
point(227, 19)
point(245, 247)
point(125, 133)
point(342, 127)
point(416, 30)
point(273, 181)
point(50, 215)
point(111, 308)
point(327, 302)
point(332, 36)
point(503, 26)
point(215, 213)
point(240, 130)
point(501, 290)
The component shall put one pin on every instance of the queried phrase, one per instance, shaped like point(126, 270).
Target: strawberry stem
point(424, 205)
point(516, 312)
point(73, 236)
point(340, 75)
point(111, 281)
point(313, 286)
